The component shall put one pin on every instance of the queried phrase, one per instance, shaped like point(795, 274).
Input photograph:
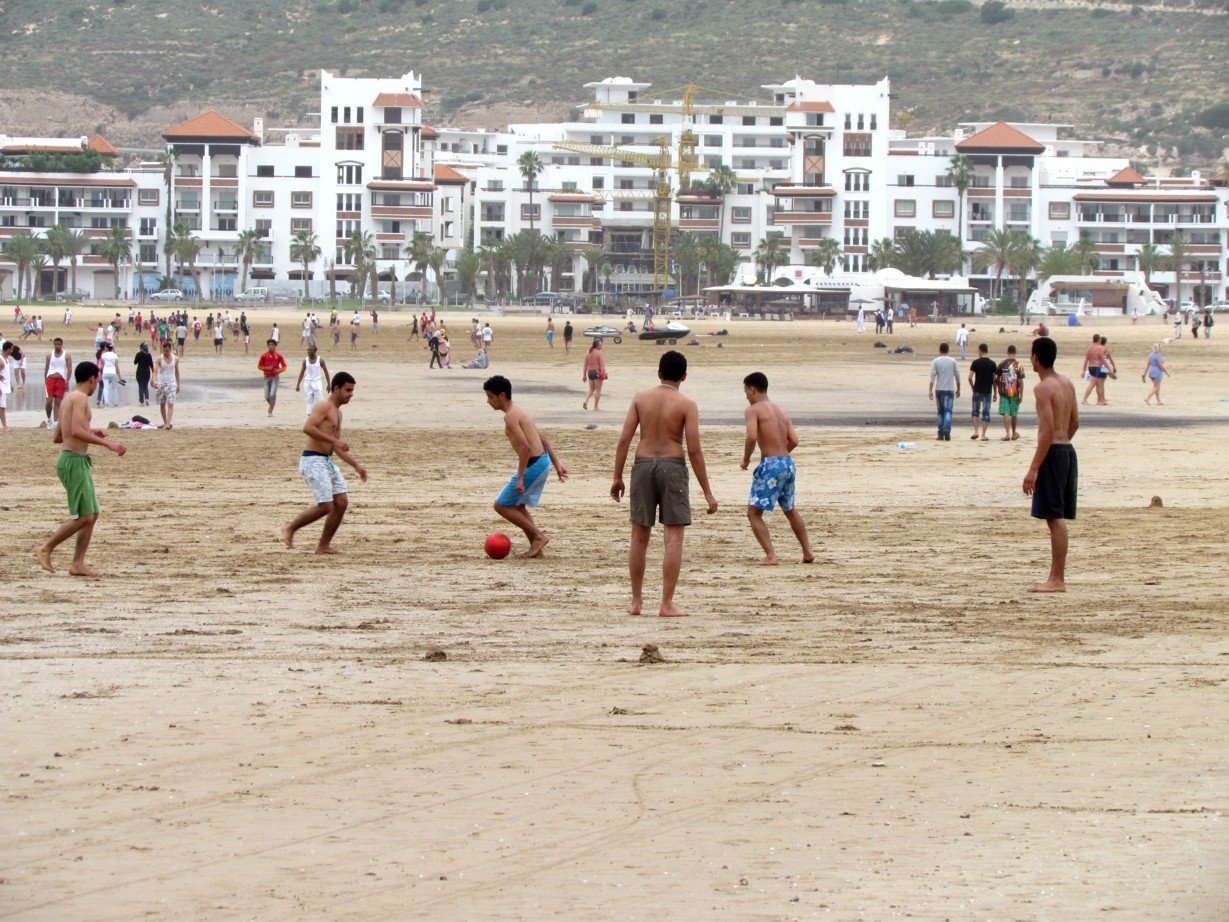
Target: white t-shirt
point(356, 320)
point(110, 363)
point(486, 335)
point(962, 336)
point(276, 335)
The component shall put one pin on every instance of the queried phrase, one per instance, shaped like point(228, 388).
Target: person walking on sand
point(594, 373)
point(110, 376)
point(313, 378)
point(271, 365)
point(55, 380)
point(861, 319)
point(319, 470)
point(168, 385)
point(660, 486)
point(983, 373)
point(1094, 371)
point(567, 337)
point(144, 363)
point(6, 387)
point(962, 340)
point(550, 332)
point(534, 460)
point(73, 432)
point(944, 389)
point(1155, 371)
point(770, 427)
point(1053, 476)
point(1010, 386)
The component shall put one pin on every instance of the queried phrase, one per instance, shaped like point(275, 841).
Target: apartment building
point(809, 161)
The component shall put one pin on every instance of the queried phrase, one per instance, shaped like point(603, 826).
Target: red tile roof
point(448, 174)
point(810, 107)
point(55, 147)
point(211, 126)
point(102, 145)
point(429, 133)
point(1125, 177)
point(398, 101)
point(1000, 137)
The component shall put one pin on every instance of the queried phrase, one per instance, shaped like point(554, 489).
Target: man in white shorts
point(313, 378)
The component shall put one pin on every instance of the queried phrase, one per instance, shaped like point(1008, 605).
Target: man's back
point(662, 413)
point(1059, 394)
point(772, 428)
point(943, 372)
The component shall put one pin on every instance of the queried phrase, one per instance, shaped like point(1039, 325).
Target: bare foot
point(1050, 586)
point(327, 550)
point(634, 608)
point(287, 534)
point(985, 438)
point(43, 556)
point(84, 571)
point(808, 558)
point(1015, 436)
point(585, 404)
point(770, 561)
point(535, 547)
point(669, 611)
point(1006, 438)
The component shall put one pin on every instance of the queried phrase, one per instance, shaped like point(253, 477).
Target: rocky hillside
point(1138, 75)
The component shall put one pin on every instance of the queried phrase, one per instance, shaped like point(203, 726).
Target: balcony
point(786, 217)
point(188, 204)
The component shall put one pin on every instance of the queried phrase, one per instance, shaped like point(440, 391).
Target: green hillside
point(1135, 75)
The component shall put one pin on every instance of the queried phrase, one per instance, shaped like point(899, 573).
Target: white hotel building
point(811, 161)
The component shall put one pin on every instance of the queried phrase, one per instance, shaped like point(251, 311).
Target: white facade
point(811, 161)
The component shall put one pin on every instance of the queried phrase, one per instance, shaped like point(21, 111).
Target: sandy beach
point(224, 728)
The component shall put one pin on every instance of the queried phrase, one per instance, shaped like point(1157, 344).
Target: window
point(300, 225)
point(392, 115)
point(1058, 237)
point(857, 210)
point(712, 161)
point(447, 206)
point(493, 212)
point(501, 149)
point(655, 120)
point(857, 181)
point(900, 233)
point(740, 241)
point(943, 209)
point(740, 215)
point(334, 114)
point(303, 172)
point(597, 139)
point(848, 121)
point(264, 170)
point(861, 122)
point(534, 214)
point(904, 179)
point(627, 184)
point(776, 121)
point(359, 115)
point(1019, 182)
point(856, 236)
point(857, 145)
point(749, 120)
point(716, 120)
point(300, 200)
point(350, 174)
point(345, 115)
point(147, 197)
point(745, 188)
point(148, 253)
point(568, 185)
point(905, 208)
point(628, 118)
point(262, 199)
point(149, 227)
point(495, 185)
point(1060, 211)
point(346, 228)
point(264, 227)
point(352, 201)
point(943, 181)
point(349, 138)
point(874, 122)
point(599, 182)
point(627, 139)
point(712, 140)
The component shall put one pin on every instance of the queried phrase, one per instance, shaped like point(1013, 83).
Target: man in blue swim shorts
point(534, 459)
point(770, 427)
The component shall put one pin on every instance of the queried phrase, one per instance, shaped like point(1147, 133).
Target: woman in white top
point(167, 367)
point(110, 376)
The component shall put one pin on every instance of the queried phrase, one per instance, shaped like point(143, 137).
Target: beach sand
point(225, 728)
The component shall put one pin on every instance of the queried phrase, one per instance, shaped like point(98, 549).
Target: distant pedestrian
point(944, 389)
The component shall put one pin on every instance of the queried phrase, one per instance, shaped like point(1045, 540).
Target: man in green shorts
point(73, 466)
point(1010, 386)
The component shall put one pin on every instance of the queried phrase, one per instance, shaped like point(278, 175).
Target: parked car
point(72, 294)
point(167, 294)
point(458, 301)
point(384, 297)
point(1218, 306)
point(253, 294)
point(543, 299)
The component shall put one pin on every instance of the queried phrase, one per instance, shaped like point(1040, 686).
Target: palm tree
point(469, 264)
point(75, 244)
point(488, 256)
point(593, 256)
point(960, 174)
point(530, 165)
point(168, 181)
point(37, 268)
point(826, 255)
point(1179, 256)
point(687, 260)
point(1151, 259)
point(436, 259)
point(418, 254)
point(768, 255)
point(116, 248)
point(720, 182)
point(360, 251)
point(305, 250)
point(1059, 259)
point(22, 249)
point(926, 253)
point(994, 252)
point(882, 254)
point(526, 251)
point(1090, 259)
point(54, 246)
point(171, 248)
point(188, 248)
point(247, 248)
point(1023, 257)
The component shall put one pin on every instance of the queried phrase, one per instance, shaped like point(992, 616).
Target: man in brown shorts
point(659, 476)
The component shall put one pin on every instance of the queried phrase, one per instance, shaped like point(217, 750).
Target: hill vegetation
point(1149, 79)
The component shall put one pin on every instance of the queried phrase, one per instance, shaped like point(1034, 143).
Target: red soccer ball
point(498, 546)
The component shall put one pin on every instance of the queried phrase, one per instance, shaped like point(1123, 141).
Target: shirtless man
point(1094, 367)
point(534, 457)
point(659, 476)
point(317, 468)
point(770, 427)
point(1052, 476)
point(73, 466)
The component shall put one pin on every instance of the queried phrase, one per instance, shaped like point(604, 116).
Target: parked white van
point(253, 294)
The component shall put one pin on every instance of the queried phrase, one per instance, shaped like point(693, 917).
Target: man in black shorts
point(1053, 474)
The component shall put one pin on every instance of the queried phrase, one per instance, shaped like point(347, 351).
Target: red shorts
point(56, 387)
